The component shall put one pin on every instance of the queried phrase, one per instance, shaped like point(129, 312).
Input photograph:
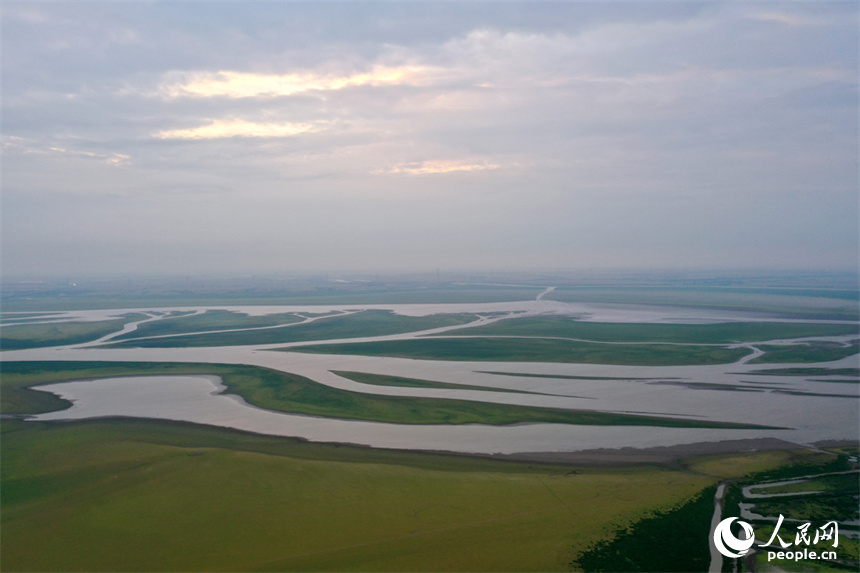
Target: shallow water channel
point(810, 410)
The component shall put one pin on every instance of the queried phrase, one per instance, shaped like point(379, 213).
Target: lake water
point(812, 410)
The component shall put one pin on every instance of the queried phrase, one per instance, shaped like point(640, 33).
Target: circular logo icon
point(723, 537)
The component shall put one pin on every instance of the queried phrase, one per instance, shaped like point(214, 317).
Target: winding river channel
point(805, 409)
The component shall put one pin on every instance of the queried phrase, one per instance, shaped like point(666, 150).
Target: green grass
point(15, 378)
point(16, 337)
point(209, 320)
point(825, 483)
point(365, 323)
point(841, 506)
point(135, 495)
point(559, 376)
point(806, 372)
point(655, 543)
point(807, 352)
point(722, 333)
point(423, 293)
point(383, 380)
point(534, 350)
point(281, 391)
point(23, 317)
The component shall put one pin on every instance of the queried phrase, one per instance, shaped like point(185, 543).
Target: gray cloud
point(407, 136)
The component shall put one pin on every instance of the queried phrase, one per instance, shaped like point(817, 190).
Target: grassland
point(838, 501)
point(721, 333)
point(654, 544)
point(22, 317)
point(855, 372)
point(839, 482)
point(365, 323)
point(209, 320)
point(143, 293)
point(383, 380)
point(806, 352)
point(16, 377)
point(16, 337)
point(556, 376)
point(284, 392)
point(535, 350)
point(127, 495)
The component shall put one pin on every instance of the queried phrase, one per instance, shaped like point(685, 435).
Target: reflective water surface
point(810, 409)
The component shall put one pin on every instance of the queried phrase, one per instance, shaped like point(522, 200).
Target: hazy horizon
point(180, 139)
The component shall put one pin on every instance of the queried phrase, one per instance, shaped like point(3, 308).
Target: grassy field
point(556, 376)
point(281, 391)
point(653, 543)
point(808, 352)
point(383, 380)
point(722, 333)
point(209, 320)
point(21, 317)
point(535, 350)
point(15, 378)
point(839, 501)
point(855, 372)
point(16, 337)
point(118, 295)
point(127, 495)
point(365, 323)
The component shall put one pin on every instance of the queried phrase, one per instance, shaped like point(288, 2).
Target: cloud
point(437, 166)
point(576, 129)
point(232, 84)
point(239, 128)
point(12, 144)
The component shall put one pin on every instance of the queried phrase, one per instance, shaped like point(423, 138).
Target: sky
point(216, 137)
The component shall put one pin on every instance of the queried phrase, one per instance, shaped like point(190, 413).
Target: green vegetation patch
point(839, 502)
point(16, 315)
point(209, 320)
point(534, 350)
point(384, 380)
point(668, 540)
point(721, 333)
point(16, 396)
point(360, 324)
point(19, 336)
point(560, 376)
point(822, 507)
point(837, 482)
point(807, 372)
point(136, 495)
point(24, 317)
point(817, 351)
point(285, 392)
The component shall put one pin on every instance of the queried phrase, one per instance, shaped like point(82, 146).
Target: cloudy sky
point(283, 137)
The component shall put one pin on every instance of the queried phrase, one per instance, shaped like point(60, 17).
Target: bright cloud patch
point(440, 166)
point(241, 85)
point(239, 128)
point(13, 144)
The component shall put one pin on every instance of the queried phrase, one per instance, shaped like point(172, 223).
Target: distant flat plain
point(118, 494)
